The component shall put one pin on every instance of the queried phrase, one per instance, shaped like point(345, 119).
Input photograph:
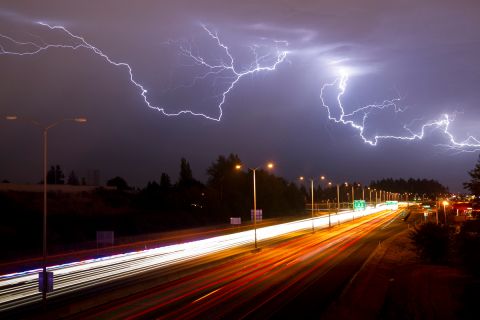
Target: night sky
point(423, 53)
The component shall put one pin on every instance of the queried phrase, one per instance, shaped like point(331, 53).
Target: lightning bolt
point(260, 64)
point(337, 114)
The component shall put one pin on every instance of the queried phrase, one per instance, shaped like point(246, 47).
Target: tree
point(221, 173)
point(119, 183)
point(73, 179)
point(165, 182)
point(474, 184)
point(305, 193)
point(186, 175)
point(55, 175)
point(430, 188)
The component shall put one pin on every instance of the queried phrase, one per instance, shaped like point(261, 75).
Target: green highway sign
point(393, 205)
point(359, 205)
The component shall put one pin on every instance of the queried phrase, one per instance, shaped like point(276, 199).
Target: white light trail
point(276, 57)
point(338, 115)
point(21, 288)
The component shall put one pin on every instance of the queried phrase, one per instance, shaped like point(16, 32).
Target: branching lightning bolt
point(259, 65)
point(471, 144)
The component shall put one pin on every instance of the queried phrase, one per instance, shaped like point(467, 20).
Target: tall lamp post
point(239, 167)
point(353, 201)
point(45, 157)
point(330, 184)
point(311, 191)
point(338, 201)
point(445, 204)
point(347, 194)
point(329, 213)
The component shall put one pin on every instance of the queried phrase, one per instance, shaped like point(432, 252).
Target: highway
point(278, 268)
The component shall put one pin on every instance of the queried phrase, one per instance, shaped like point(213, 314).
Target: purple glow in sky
point(260, 69)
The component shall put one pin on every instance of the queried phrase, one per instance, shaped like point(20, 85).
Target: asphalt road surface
point(297, 274)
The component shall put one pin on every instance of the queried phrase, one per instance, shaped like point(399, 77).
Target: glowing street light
point(353, 196)
point(338, 203)
point(338, 200)
point(445, 203)
point(45, 140)
point(269, 165)
point(348, 195)
point(311, 191)
point(322, 178)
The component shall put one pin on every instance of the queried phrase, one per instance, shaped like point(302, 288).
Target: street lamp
point(45, 140)
point(445, 203)
point(353, 196)
point(338, 203)
point(311, 191)
point(322, 178)
point(239, 167)
point(347, 194)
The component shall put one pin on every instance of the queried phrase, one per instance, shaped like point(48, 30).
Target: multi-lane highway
point(246, 285)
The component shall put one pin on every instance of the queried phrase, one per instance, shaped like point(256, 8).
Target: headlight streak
point(277, 56)
point(282, 270)
point(21, 288)
point(338, 115)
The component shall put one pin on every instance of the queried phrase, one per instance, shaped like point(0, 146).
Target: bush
point(431, 242)
point(469, 246)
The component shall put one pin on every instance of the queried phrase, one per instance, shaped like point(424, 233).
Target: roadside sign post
point(392, 205)
point(256, 217)
point(48, 287)
point(235, 220)
point(359, 205)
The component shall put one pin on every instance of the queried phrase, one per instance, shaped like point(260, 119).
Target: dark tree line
point(227, 193)
point(430, 188)
point(165, 204)
point(55, 175)
point(474, 184)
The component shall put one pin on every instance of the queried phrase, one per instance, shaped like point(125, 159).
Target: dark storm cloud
point(424, 51)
